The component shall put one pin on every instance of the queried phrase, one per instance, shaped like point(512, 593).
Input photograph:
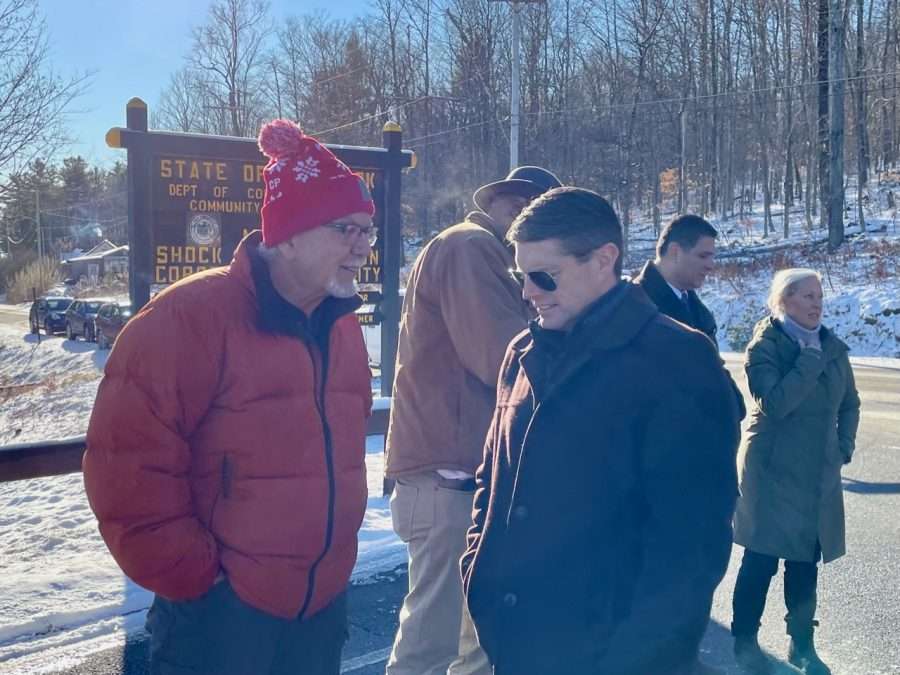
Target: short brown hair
point(581, 220)
point(686, 232)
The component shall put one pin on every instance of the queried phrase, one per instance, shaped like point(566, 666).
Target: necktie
point(686, 302)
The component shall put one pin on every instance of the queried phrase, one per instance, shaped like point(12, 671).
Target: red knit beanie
point(306, 185)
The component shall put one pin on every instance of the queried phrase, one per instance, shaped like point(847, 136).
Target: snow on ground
point(863, 311)
point(61, 587)
point(60, 591)
point(861, 281)
point(59, 584)
point(54, 376)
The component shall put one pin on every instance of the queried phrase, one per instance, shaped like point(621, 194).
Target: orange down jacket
point(228, 435)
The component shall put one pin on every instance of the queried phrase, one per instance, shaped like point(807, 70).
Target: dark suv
point(110, 319)
point(80, 319)
point(49, 314)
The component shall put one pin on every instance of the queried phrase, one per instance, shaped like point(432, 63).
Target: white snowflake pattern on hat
point(306, 169)
point(344, 170)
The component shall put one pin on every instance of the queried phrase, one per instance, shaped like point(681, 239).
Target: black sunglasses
point(542, 280)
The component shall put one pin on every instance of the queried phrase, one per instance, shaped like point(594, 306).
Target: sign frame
point(143, 146)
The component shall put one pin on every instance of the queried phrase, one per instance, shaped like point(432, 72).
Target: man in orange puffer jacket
point(226, 449)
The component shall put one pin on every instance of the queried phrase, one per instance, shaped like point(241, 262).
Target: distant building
point(104, 259)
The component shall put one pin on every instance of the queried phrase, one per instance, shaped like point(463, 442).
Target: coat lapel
point(612, 322)
point(663, 296)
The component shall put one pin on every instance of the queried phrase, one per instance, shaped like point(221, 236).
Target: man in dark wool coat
point(685, 255)
point(602, 515)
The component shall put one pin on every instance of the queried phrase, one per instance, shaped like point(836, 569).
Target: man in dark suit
point(685, 255)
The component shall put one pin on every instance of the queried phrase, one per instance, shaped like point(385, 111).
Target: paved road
point(859, 603)
point(859, 606)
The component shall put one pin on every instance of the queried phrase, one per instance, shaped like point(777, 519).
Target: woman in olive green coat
point(802, 431)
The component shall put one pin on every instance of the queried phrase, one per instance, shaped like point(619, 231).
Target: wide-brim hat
point(525, 181)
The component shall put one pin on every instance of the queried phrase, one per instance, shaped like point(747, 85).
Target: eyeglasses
point(352, 232)
point(543, 280)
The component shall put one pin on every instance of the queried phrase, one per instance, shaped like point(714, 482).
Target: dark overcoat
point(802, 431)
point(696, 315)
point(602, 517)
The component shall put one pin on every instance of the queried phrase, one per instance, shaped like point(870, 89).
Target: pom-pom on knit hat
point(306, 185)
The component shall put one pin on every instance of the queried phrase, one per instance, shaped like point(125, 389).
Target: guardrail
point(55, 458)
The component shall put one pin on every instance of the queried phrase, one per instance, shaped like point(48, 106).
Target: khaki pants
point(432, 520)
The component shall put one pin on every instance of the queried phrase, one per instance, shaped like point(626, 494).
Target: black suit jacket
point(699, 317)
point(670, 304)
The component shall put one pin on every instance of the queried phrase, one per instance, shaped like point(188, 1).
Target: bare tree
point(788, 122)
point(181, 106)
point(34, 99)
point(836, 21)
point(822, 55)
point(657, 104)
point(645, 20)
point(862, 131)
point(227, 56)
point(809, 100)
point(758, 21)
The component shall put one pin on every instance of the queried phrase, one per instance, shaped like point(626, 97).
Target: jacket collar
point(612, 322)
point(771, 328)
point(659, 290)
point(275, 315)
point(484, 221)
point(661, 293)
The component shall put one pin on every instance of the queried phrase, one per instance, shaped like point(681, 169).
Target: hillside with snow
point(861, 285)
point(861, 280)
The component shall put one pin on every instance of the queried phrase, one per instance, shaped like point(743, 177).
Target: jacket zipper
point(329, 463)
point(224, 489)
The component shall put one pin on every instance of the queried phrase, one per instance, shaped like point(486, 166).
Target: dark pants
point(752, 586)
point(219, 634)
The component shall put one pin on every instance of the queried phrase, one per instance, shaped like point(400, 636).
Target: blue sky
point(132, 46)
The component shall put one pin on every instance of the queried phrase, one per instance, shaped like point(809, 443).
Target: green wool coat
point(802, 431)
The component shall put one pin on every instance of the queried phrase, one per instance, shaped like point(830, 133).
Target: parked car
point(49, 313)
point(80, 318)
point(110, 318)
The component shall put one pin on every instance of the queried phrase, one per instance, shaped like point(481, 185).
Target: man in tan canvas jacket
point(461, 310)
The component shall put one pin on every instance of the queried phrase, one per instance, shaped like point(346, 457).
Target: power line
point(411, 141)
point(332, 78)
point(615, 106)
point(367, 118)
point(60, 211)
point(453, 83)
point(704, 97)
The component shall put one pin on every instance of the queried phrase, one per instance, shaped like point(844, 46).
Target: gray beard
point(339, 290)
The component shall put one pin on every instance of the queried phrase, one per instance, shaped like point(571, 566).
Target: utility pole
point(40, 238)
point(515, 86)
point(37, 222)
point(514, 94)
